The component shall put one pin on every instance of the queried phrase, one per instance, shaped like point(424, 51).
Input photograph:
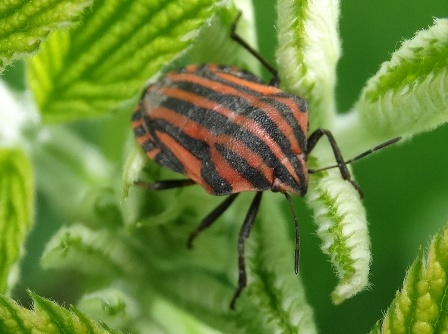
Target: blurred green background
point(405, 187)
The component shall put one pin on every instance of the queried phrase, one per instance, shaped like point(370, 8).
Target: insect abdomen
point(223, 128)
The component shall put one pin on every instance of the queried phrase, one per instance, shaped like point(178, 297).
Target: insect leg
point(165, 184)
point(275, 81)
point(211, 218)
point(244, 233)
point(312, 141)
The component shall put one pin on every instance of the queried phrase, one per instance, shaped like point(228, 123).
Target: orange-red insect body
point(228, 131)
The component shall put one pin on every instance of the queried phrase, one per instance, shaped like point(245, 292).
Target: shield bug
point(228, 131)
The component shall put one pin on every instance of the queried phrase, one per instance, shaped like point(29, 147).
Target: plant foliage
point(129, 243)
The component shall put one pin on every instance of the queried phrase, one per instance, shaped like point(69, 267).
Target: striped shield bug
point(230, 132)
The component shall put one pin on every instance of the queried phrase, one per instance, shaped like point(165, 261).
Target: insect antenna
point(296, 225)
point(359, 156)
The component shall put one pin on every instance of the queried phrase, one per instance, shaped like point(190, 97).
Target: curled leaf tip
point(342, 228)
point(308, 53)
point(408, 93)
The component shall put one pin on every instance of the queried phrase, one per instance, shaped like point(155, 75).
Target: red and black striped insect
point(228, 131)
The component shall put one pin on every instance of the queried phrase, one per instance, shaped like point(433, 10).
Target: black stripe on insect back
point(219, 124)
point(212, 76)
point(136, 114)
point(286, 114)
point(243, 168)
point(136, 117)
point(283, 110)
point(209, 71)
point(239, 103)
point(141, 130)
point(241, 106)
point(196, 147)
point(165, 157)
point(200, 150)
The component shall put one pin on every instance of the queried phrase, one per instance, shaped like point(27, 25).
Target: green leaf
point(103, 252)
point(274, 300)
point(121, 309)
point(342, 228)
point(408, 94)
point(106, 60)
point(47, 318)
point(307, 54)
point(376, 329)
point(111, 305)
point(155, 263)
point(163, 312)
point(25, 24)
point(16, 212)
point(420, 307)
point(81, 170)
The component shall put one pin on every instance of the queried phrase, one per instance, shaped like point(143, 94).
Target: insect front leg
point(244, 233)
point(342, 165)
